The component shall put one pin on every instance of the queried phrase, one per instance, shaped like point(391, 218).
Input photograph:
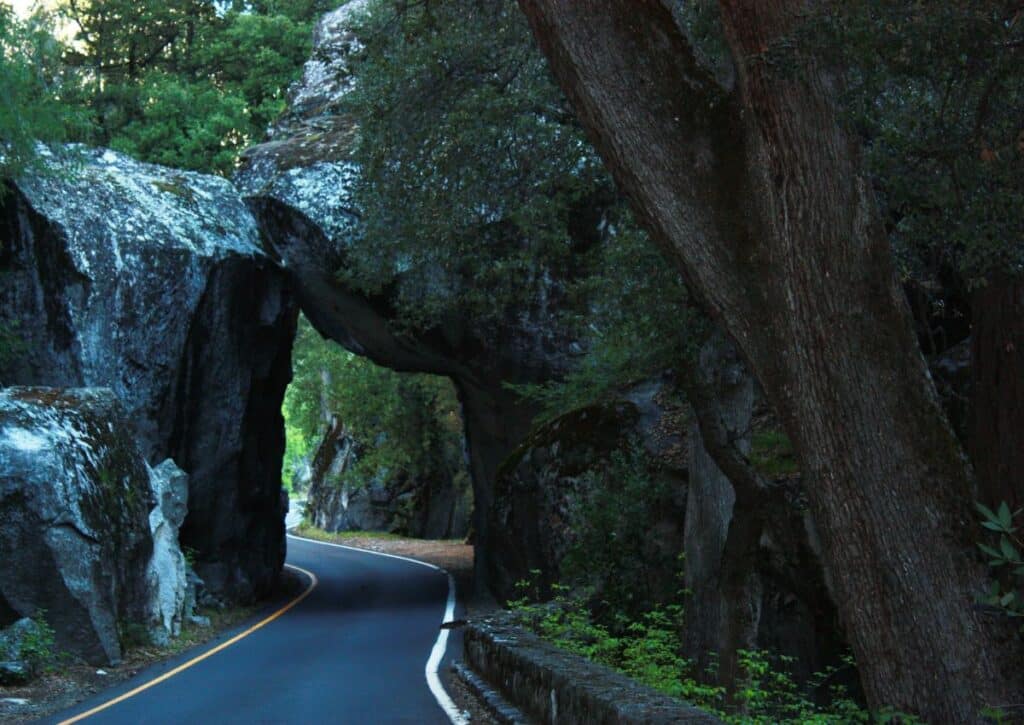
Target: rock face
point(712, 609)
point(753, 570)
point(167, 572)
point(298, 187)
point(74, 505)
point(427, 509)
point(16, 666)
point(151, 282)
point(547, 490)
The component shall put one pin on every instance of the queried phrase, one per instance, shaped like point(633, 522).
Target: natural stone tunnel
point(298, 187)
point(181, 291)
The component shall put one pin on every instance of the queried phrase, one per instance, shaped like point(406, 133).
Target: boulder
point(74, 506)
point(151, 282)
point(16, 666)
point(14, 672)
point(167, 571)
point(568, 480)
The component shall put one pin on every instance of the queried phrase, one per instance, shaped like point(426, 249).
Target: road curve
point(354, 650)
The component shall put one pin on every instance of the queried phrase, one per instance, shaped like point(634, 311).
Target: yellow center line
point(313, 581)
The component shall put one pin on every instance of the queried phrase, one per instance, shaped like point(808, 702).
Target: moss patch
point(176, 185)
point(772, 453)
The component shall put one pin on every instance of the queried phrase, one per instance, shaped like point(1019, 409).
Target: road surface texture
point(354, 650)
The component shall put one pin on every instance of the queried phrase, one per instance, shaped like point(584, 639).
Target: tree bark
point(758, 194)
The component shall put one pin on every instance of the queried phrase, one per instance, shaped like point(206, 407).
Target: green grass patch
point(340, 537)
point(772, 453)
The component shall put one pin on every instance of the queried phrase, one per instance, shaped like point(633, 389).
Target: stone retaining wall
point(553, 686)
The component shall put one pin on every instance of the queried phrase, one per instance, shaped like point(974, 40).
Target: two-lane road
point(354, 650)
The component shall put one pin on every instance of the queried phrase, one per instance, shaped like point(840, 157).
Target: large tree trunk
point(758, 194)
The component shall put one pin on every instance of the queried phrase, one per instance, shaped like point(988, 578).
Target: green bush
point(772, 453)
point(649, 651)
point(612, 556)
point(1004, 555)
point(38, 647)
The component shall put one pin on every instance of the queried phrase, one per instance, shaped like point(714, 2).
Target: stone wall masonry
point(550, 685)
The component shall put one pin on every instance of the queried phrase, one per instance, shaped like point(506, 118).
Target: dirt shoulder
point(70, 683)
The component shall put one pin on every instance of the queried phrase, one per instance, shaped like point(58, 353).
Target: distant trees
point(406, 425)
point(186, 83)
point(33, 84)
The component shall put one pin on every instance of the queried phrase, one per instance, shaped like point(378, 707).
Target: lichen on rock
point(151, 282)
point(167, 570)
point(74, 504)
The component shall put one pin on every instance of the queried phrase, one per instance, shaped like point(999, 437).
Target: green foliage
point(191, 555)
point(648, 650)
point(479, 193)
point(612, 556)
point(187, 83)
point(471, 164)
point(133, 634)
point(406, 425)
point(937, 92)
point(772, 453)
point(1004, 556)
point(192, 125)
point(297, 450)
point(12, 343)
point(33, 83)
point(632, 311)
point(38, 646)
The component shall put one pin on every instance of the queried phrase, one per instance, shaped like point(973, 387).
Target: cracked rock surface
point(151, 282)
point(74, 517)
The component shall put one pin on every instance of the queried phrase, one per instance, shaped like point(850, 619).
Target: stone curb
point(500, 708)
point(550, 685)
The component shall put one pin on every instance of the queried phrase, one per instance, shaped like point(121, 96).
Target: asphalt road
point(354, 650)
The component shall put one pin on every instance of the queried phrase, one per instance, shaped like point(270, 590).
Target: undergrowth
point(648, 649)
point(39, 647)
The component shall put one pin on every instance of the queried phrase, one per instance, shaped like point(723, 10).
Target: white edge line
point(440, 644)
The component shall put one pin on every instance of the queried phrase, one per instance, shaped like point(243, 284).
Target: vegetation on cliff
point(404, 425)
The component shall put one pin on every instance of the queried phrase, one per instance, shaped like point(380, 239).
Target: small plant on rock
point(38, 645)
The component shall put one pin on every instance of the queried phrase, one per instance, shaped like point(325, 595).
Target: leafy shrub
point(612, 555)
point(1004, 557)
point(38, 645)
point(133, 634)
point(649, 650)
point(772, 453)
